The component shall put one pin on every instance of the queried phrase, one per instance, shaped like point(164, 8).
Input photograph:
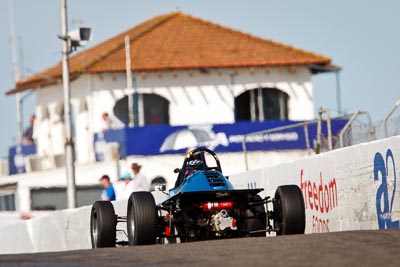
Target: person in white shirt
point(106, 122)
point(128, 186)
point(139, 181)
point(109, 122)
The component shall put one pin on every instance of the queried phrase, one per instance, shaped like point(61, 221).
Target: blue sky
point(361, 36)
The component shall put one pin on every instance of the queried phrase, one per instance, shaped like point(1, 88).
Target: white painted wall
point(195, 98)
point(358, 181)
point(50, 128)
point(198, 98)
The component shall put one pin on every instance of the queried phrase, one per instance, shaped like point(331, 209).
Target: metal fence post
point(388, 116)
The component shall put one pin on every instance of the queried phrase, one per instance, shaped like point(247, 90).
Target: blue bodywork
point(206, 181)
point(197, 180)
point(202, 181)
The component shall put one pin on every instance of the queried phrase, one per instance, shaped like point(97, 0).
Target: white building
point(187, 71)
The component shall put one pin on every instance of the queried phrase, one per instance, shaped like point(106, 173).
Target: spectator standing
point(139, 181)
point(128, 186)
point(106, 122)
point(108, 189)
point(29, 133)
point(110, 123)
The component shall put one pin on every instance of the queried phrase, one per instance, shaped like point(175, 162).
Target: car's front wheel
point(103, 225)
point(289, 211)
point(142, 222)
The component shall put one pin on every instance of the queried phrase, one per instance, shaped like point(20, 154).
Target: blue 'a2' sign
point(382, 170)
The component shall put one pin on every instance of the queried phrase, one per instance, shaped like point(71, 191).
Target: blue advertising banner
point(16, 154)
point(164, 139)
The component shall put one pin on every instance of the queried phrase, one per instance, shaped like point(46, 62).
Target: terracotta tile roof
point(176, 41)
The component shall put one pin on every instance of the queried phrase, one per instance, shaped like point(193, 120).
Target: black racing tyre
point(103, 223)
point(255, 219)
point(289, 211)
point(142, 220)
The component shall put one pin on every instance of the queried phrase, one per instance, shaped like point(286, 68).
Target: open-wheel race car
point(203, 205)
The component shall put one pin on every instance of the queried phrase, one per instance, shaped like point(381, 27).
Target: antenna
point(16, 67)
point(21, 58)
point(13, 42)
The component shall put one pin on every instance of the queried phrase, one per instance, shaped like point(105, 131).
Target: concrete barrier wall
point(58, 231)
point(349, 189)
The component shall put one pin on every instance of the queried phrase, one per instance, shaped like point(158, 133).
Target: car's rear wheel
point(255, 222)
point(103, 225)
point(289, 211)
point(142, 220)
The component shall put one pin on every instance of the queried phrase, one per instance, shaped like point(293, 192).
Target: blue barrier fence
point(164, 139)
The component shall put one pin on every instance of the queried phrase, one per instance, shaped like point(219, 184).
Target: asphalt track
point(357, 248)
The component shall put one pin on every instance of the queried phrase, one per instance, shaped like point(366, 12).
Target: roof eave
point(38, 84)
point(316, 68)
point(323, 68)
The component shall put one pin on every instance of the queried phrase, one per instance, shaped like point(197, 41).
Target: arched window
point(153, 109)
point(261, 104)
point(156, 109)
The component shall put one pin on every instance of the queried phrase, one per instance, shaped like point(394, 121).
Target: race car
point(203, 205)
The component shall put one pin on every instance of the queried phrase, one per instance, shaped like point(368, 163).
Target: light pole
point(70, 41)
point(338, 92)
point(129, 82)
point(69, 143)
